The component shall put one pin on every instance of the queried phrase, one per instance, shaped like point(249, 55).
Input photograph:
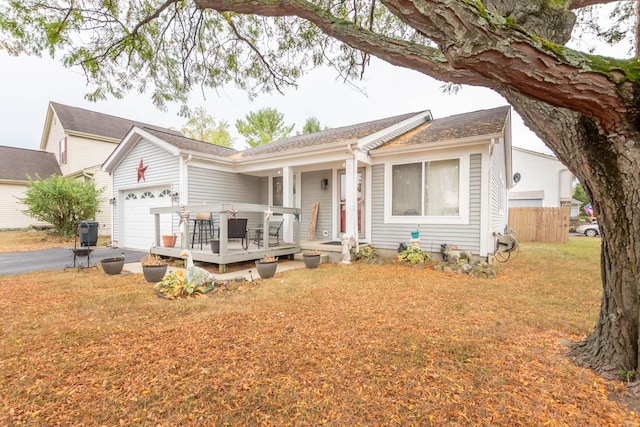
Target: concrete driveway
point(58, 259)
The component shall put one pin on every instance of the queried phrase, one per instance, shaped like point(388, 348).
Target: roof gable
point(16, 164)
point(459, 126)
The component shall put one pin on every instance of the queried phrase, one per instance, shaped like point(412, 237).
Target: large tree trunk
point(608, 166)
point(612, 181)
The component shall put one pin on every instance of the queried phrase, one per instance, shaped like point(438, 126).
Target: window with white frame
point(278, 195)
point(426, 189)
point(62, 151)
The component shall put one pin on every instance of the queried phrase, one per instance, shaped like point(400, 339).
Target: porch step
point(324, 258)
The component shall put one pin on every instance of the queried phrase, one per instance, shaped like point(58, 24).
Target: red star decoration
point(141, 169)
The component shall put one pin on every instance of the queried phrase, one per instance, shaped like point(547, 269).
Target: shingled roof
point(94, 123)
point(16, 164)
point(184, 143)
point(482, 122)
point(344, 133)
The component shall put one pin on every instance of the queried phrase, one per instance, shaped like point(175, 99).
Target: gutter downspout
point(184, 179)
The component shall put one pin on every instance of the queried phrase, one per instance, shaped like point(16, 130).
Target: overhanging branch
point(478, 48)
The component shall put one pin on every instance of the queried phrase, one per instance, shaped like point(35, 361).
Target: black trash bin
point(88, 233)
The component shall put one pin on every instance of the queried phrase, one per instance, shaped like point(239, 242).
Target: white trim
point(129, 142)
point(463, 216)
point(368, 205)
point(183, 176)
point(451, 145)
point(485, 201)
point(380, 137)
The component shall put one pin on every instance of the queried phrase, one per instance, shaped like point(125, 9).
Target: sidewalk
point(248, 274)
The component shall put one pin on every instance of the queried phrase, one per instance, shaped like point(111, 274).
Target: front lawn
point(356, 345)
point(33, 240)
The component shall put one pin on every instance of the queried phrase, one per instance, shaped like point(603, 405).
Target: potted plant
point(311, 258)
point(112, 265)
point(267, 266)
point(169, 240)
point(153, 267)
point(215, 246)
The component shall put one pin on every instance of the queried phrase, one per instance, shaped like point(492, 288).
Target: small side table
point(204, 229)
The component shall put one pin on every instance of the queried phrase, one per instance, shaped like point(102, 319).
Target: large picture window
point(426, 189)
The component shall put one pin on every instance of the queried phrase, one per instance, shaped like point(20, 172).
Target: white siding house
point(17, 165)
point(544, 181)
point(377, 180)
point(81, 140)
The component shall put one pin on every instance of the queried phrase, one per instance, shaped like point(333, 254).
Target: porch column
point(351, 195)
point(287, 202)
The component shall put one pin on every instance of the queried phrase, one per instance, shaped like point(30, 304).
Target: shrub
point(414, 255)
point(174, 285)
point(366, 254)
point(62, 202)
point(151, 260)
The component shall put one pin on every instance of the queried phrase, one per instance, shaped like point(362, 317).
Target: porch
point(259, 243)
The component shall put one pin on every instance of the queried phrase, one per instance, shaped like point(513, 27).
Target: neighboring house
point(544, 181)
point(17, 165)
point(378, 180)
point(576, 206)
point(81, 141)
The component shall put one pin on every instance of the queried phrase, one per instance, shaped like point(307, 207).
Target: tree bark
point(608, 167)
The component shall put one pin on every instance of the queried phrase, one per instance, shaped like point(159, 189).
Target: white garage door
point(137, 224)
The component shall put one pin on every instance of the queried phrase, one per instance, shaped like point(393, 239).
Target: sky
point(27, 84)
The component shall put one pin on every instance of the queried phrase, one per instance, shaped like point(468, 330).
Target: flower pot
point(266, 270)
point(215, 246)
point(154, 273)
point(169, 241)
point(415, 234)
point(112, 265)
point(311, 261)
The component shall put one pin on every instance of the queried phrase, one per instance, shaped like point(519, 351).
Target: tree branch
point(532, 66)
point(578, 4)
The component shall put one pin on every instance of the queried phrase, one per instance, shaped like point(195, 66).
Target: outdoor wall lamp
point(324, 183)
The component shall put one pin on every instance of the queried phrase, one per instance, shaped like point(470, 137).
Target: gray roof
point(482, 122)
point(16, 164)
point(94, 123)
point(344, 133)
point(184, 143)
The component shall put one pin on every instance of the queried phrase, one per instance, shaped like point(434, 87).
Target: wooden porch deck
point(235, 253)
point(231, 250)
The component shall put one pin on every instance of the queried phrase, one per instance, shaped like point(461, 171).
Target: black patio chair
point(275, 229)
point(237, 229)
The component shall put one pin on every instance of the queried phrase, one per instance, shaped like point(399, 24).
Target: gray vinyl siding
point(214, 186)
point(162, 170)
point(466, 237)
point(311, 193)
